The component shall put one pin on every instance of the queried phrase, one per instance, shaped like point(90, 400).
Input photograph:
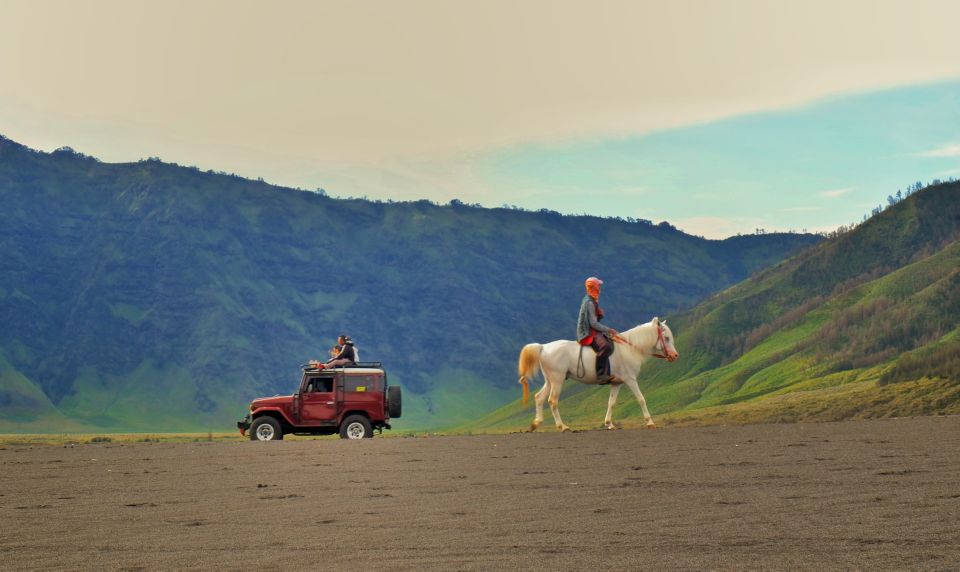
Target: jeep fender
point(273, 412)
point(346, 414)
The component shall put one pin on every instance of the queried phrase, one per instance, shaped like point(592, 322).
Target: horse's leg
point(632, 384)
point(608, 420)
point(556, 386)
point(539, 399)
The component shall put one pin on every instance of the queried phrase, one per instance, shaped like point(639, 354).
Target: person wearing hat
point(590, 332)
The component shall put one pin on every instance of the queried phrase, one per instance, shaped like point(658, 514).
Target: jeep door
point(363, 391)
point(319, 401)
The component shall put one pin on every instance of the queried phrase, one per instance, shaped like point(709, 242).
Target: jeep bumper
point(244, 424)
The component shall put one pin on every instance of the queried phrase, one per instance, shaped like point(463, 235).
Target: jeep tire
point(356, 427)
point(266, 428)
point(393, 401)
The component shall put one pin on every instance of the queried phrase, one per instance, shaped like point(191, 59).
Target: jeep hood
point(274, 401)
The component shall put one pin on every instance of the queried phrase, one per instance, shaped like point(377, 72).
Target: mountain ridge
point(129, 285)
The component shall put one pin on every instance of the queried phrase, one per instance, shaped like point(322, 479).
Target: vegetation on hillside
point(148, 296)
point(865, 323)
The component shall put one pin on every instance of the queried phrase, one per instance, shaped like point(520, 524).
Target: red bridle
point(662, 343)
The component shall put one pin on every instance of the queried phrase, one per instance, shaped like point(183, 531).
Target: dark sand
point(860, 494)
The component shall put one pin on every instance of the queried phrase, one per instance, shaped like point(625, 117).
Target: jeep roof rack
point(369, 364)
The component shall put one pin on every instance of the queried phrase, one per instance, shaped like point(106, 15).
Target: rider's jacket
point(588, 323)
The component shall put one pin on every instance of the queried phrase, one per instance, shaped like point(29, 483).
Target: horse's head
point(664, 341)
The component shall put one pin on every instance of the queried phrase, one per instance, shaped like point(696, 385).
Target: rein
point(660, 342)
point(581, 370)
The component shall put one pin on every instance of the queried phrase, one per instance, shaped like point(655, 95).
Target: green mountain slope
point(864, 324)
point(149, 296)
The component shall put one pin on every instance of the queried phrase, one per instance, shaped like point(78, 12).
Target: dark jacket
point(346, 352)
point(590, 314)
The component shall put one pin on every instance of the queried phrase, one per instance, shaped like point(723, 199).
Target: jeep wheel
point(356, 427)
point(393, 401)
point(266, 428)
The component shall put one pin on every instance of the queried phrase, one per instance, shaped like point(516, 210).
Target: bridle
point(662, 343)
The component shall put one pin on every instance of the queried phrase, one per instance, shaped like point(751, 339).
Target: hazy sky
point(631, 108)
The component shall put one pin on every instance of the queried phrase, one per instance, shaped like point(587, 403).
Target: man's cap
point(594, 280)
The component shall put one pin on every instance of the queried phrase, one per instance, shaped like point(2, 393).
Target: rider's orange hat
point(593, 280)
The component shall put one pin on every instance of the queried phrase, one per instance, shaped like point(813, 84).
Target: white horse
point(562, 359)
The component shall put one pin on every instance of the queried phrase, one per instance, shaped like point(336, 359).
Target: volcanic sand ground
point(858, 494)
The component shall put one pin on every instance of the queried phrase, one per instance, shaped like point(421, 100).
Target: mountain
point(150, 296)
point(864, 324)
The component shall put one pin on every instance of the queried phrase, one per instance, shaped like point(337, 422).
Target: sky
point(719, 117)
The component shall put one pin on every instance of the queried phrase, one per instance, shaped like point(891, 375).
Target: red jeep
point(352, 401)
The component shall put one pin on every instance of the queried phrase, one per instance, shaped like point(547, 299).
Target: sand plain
point(882, 494)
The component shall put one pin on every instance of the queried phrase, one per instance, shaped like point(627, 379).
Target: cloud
point(832, 194)
point(393, 93)
point(948, 150)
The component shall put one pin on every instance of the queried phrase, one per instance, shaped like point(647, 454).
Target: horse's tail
point(528, 367)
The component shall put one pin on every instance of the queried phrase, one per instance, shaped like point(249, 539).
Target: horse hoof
point(611, 427)
point(651, 425)
point(534, 426)
point(564, 429)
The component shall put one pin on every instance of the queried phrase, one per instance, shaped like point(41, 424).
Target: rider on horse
point(590, 332)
